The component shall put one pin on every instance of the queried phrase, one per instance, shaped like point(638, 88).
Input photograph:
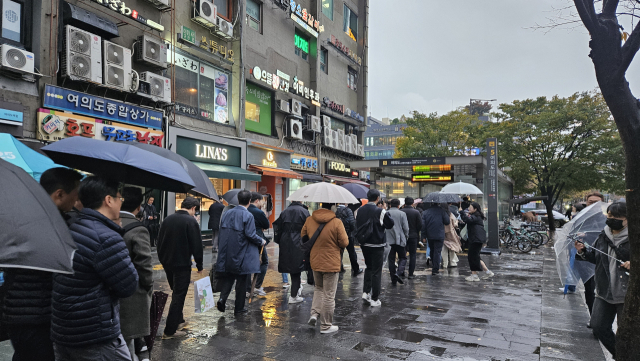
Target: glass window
point(350, 23)
point(252, 111)
point(253, 15)
point(301, 45)
point(352, 79)
point(12, 20)
point(327, 8)
point(186, 91)
point(324, 58)
point(223, 9)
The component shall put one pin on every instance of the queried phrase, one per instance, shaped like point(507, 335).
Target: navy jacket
point(475, 227)
point(239, 245)
point(179, 238)
point(84, 306)
point(262, 222)
point(434, 219)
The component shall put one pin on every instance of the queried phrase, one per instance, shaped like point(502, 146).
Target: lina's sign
point(209, 152)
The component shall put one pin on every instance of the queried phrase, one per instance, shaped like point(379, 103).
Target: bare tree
point(611, 58)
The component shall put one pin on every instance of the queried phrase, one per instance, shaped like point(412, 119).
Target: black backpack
point(341, 215)
point(364, 231)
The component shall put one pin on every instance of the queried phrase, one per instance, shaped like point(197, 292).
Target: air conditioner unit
point(283, 106)
point(354, 141)
point(360, 150)
point(205, 13)
point(326, 121)
point(144, 88)
point(151, 51)
point(341, 144)
point(295, 129)
point(327, 139)
point(82, 56)
point(15, 59)
point(116, 63)
point(314, 124)
point(296, 107)
point(160, 87)
point(225, 29)
point(348, 146)
point(160, 4)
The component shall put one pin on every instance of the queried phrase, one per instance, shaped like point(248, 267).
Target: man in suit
point(215, 213)
point(261, 223)
point(150, 219)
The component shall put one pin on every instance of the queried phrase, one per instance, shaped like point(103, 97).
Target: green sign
point(258, 109)
point(207, 152)
point(302, 43)
point(188, 35)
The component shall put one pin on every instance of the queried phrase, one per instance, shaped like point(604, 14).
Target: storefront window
point(186, 90)
point(221, 186)
point(294, 185)
point(252, 112)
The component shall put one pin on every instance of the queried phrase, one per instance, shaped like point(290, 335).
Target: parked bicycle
point(524, 241)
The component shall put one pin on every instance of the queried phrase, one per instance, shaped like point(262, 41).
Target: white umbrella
point(461, 188)
point(323, 192)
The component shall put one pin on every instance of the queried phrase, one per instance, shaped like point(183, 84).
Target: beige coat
point(325, 254)
point(451, 238)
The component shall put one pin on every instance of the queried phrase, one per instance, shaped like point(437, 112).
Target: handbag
point(464, 233)
point(307, 245)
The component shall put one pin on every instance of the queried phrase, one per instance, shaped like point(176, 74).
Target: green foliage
point(395, 121)
point(478, 107)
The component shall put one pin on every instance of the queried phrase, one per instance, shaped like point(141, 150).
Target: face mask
point(615, 224)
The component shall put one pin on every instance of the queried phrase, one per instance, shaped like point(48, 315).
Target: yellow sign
point(269, 162)
point(432, 168)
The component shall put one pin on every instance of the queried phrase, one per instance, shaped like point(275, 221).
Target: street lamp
point(478, 100)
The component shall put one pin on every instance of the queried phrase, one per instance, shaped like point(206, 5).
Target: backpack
point(340, 214)
point(365, 231)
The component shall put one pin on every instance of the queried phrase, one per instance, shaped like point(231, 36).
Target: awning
point(346, 180)
point(311, 178)
point(276, 172)
point(227, 172)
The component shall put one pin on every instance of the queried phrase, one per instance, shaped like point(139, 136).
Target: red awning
point(275, 172)
point(346, 180)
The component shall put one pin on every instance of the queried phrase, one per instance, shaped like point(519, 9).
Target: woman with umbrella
point(474, 218)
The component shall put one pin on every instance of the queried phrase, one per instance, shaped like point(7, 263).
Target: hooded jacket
point(326, 252)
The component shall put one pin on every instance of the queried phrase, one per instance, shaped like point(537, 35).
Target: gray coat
point(400, 232)
point(134, 310)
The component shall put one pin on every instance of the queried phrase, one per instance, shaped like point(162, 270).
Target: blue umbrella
point(16, 153)
point(120, 162)
point(358, 190)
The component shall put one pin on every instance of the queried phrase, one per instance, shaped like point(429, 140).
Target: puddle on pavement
point(476, 319)
point(390, 352)
point(431, 309)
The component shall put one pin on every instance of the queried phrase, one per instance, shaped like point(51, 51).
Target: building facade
point(380, 140)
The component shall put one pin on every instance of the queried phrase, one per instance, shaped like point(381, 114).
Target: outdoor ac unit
point(151, 51)
point(295, 129)
point(160, 4)
point(354, 142)
point(225, 29)
point(15, 59)
point(283, 106)
point(334, 136)
point(82, 56)
point(160, 87)
point(326, 139)
point(117, 66)
point(205, 13)
point(296, 107)
point(314, 124)
point(326, 121)
point(348, 146)
point(341, 143)
point(360, 150)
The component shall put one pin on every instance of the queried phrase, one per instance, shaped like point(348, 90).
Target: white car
point(559, 218)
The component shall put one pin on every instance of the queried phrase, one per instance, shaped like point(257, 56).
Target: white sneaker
point(303, 282)
point(487, 274)
point(377, 303)
point(295, 300)
point(300, 292)
point(366, 297)
point(312, 321)
point(260, 292)
point(473, 278)
point(286, 285)
point(331, 329)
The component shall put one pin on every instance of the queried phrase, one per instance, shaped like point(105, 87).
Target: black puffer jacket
point(27, 300)
point(84, 307)
point(475, 227)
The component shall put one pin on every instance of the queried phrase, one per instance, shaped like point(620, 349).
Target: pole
point(493, 242)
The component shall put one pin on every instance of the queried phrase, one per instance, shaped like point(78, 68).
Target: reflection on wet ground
point(514, 316)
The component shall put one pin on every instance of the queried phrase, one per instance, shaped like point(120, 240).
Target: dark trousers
point(402, 259)
point(241, 286)
point(179, 281)
point(601, 321)
point(353, 256)
point(590, 293)
point(310, 280)
point(295, 283)
point(263, 272)
point(412, 248)
point(373, 258)
point(31, 342)
point(474, 256)
point(435, 246)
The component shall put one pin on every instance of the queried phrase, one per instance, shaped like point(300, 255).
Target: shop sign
point(283, 75)
point(412, 161)
point(353, 114)
point(303, 162)
point(269, 161)
point(189, 36)
point(333, 105)
point(10, 117)
point(120, 7)
point(211, 152)
point(303, 18)
point(345, 50)
point(340, 169)
point(55, 125)
point(277, 82)
point(442, 177)
point(197, 150)
point(101, 108)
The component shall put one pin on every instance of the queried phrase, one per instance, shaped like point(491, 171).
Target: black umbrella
point(120, 162)
point(33, 234)
point(203, 187)
point(232, 196)
point(158, 301)
point(359, 191)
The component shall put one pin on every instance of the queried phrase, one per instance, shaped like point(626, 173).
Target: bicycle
point(509, 237)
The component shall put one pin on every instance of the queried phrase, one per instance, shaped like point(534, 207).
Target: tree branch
point(609, 8)
point(587, 16)
point(629, 50)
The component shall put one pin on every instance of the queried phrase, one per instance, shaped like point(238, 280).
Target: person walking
point(325, 263)
point(134, 310)
point(288, 237)
point(415, 225)
point(345, 214)
point(26, 310)
point(590, 284)
point(434, 219)
point(611, 279)
point(477, 236)
point(238, 252)
point(178, 241)
point(396, 238)
point(262, 224)
point(150, 219)
point(372, 222)
point(85, 318)
point(451, 240)
point(215, 213)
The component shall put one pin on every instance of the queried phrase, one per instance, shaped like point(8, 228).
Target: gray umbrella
point(439, 197)
point(33, 234)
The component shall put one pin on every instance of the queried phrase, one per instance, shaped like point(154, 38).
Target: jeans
point(435, 246)
point(373, 258)
point(179, 281)
point(263, 272)
point(428, 249)
point(227, 285)
point(295, 284)
point(115, 350)
point(31, 342)
point(412, 248)
point(324, 297)
point(601, 321)
point(214, 240)
point(285, 279)
point(402, 260)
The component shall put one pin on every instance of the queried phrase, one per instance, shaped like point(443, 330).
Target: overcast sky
point(434, 55)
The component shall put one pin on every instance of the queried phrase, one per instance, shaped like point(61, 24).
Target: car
point(558, 218)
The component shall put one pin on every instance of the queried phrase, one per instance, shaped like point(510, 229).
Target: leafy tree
point(438, 136)
point(395, 121)
point(559, 145)
point(478, 107)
